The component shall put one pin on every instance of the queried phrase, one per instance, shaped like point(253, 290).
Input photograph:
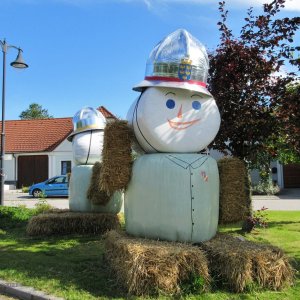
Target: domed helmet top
point(86, 119)
point(178, 61)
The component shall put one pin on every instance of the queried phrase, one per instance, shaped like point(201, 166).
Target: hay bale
point(238, 264)
point(235, 198)
point(56, 211)
point(94, 193)
point(116, 157)
point(60, 223)
point(148, 267)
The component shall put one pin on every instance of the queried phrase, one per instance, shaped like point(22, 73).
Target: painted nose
point(179, 115)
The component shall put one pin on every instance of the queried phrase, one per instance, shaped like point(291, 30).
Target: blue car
point(55, 186)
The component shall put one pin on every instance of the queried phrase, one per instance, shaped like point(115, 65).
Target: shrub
point(25, 189)
point(258, 219)
point(13, 217)
point(265, 188)
point(42, 206)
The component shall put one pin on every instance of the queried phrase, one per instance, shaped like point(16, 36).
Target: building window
point(65, 167)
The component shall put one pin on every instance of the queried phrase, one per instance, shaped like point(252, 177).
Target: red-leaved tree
point(245, 81)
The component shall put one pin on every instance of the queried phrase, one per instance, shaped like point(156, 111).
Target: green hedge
point(12, 217)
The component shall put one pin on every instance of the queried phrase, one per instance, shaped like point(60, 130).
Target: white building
point(285, 176)
point(38, 149)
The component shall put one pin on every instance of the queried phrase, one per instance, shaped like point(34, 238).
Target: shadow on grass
point(236, 228)
point(78, 267)
point(281, 223)
point(295, 262)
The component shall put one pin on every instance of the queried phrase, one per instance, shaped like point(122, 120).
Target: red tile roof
point(40, 135)
point(105, 112)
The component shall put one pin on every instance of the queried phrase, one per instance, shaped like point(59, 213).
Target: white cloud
point(290, 5)
point(148, 3)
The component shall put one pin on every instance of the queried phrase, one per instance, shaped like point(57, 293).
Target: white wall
point(63, 152)
point(64, 146)
point(55, 160)
point(255, 178)
point(280, 180)
point(9, 167)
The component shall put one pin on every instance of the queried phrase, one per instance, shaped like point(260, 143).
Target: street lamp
point(20, 64)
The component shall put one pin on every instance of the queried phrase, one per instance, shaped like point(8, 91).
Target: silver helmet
point(87, 119)
point(178, 61)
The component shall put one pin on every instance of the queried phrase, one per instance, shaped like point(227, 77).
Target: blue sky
point(91, 52)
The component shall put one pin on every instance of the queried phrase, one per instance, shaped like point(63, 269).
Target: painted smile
point(182, 125)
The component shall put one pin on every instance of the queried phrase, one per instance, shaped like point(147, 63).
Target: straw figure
point(173, 193)
point(87, 143)
point(176, 193)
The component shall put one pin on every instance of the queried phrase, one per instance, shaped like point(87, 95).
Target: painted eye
point(196, 105)
point(170, 103)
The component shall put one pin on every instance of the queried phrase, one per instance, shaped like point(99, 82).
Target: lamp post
point(20, 64)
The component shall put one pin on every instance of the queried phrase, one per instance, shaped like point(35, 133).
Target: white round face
point(87, 147)
point(174, 120)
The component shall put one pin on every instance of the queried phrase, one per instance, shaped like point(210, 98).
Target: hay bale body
point(238, 263)
point(173, 197)
point(60, 223)
point(235, 198)
point(78, 198)
point(116, 157)
point(147, 267)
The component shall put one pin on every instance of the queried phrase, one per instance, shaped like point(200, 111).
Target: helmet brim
point(70, 137)
point(179, 85)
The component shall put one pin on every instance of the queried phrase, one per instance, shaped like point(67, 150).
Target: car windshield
point(56, 180)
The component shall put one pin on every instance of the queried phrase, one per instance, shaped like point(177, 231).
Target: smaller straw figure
point(87, 143)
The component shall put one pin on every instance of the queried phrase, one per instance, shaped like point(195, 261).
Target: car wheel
point(36, 193)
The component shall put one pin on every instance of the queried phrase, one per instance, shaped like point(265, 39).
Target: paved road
point(16, 198)
point(288, 200)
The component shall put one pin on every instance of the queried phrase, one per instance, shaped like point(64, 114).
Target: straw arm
point(116, 157)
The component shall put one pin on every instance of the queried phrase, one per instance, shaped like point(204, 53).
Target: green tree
point(35, 111)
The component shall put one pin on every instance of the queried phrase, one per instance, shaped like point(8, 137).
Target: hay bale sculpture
point(92, 210)
point(173, 194)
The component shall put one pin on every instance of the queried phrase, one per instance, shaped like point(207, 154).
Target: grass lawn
point(72, 267)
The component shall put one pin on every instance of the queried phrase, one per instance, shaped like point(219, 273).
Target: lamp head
point(19, 61)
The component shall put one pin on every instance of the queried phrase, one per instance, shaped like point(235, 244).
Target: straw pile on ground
point(148, 267)
point(239, 264)
point(60, 223)
point(116, 157)
point(94, 193)
point(235, 198)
